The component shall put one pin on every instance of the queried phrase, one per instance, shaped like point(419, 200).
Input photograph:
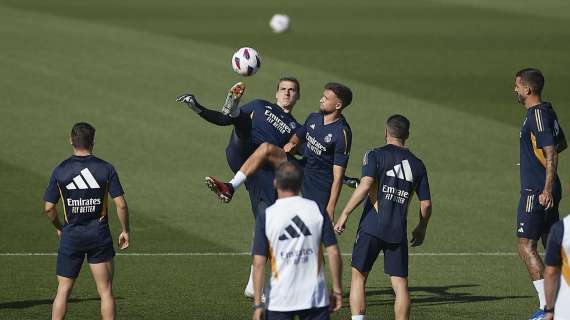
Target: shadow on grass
point(24, 304)
point(435, 295)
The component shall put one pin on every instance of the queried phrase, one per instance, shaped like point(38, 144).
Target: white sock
point(249, 286)
point(358, 317)
point(238, 180)
point(235, 113)
point(539, 286)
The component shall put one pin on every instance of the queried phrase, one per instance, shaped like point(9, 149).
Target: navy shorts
point(533, 221)
point(308, 314)
point(367, 248)
point(261, 190)
point(73, 248)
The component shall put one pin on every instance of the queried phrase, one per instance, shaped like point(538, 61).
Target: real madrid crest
point(328, 138)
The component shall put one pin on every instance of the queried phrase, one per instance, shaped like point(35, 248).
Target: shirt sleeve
point(542, 127)
point(553, 255)
point(248, 107)
point(328, 236)
point(422, 188)
point(260, 242)
point(342, 148)
point(115, 188)
point(52, 191)
point(369, 164)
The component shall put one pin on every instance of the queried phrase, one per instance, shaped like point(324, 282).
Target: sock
point(357, 317)
point(235, 113)
point(238, 180)
point(249, 286)
point(539, 286)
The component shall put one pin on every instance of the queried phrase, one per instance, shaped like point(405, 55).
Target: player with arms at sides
point(541, 140)
point(292, 234)
point(326, 138)
point(390, 176)
point(83, 182)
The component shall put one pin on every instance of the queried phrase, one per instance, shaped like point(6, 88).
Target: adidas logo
point(405, 174)
point(312, 126)
point(292, 232)
point(84, 180)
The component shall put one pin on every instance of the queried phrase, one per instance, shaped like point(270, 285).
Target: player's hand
point(341, 224)
point(58, 233)
point(190, 101)
point(335, 301)
point(418, 236)
point(289, 147)
point(258, 314)
point(546, 199)
point(124, 240)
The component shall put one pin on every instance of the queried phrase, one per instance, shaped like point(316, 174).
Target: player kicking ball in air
point(326, 138)
point(390, 176)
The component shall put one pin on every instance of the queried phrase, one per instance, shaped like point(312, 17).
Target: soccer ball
point(246, 61)
point(279, 23)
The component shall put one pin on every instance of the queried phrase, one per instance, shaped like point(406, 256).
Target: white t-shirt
point(290, 234)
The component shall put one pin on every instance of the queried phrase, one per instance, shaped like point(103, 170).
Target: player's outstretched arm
point(123, 213)
point(335, 266)
point(419, 233)
point(51, 212)
point(356, 198)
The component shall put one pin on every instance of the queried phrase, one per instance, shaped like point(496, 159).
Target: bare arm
point(335, 266)
point(338, 174)
point(291, 146)
point(551, 282)
point(123, 213)
point(551, 156)
point(419, 233)
point(258, 274)
point(51, 212)
point(356, 198)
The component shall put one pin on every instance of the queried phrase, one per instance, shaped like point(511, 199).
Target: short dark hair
point(341, 91)
point(289, 177)
point(533, 78)
point(290, 79)
point(398, 126)
point(82, 135)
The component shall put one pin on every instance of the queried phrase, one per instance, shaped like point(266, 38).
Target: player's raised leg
point(59, 308)
point(103, 276)
point(402, 302)
point(265, 154)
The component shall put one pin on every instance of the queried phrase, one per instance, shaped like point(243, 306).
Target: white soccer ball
point(279, 23)
point(246, 61)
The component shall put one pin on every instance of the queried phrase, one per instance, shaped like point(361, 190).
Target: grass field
point(448, 65)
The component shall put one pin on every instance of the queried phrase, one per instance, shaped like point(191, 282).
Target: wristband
point(258, 306)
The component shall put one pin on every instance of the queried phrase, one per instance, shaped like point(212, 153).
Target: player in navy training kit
point(541, 140)
point(254, 123)
point(326, 139)
point(83, 183)
point(390, 176)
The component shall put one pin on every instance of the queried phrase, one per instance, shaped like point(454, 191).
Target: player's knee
point(526, 247)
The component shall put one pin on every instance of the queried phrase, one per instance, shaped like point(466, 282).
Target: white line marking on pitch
point(198, 254)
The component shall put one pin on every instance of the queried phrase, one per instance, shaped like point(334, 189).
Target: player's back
point(294, 230)
point(83, 183)
point(398, 174)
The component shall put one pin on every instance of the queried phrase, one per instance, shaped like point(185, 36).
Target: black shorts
point(308, 314)
point(367, 248)
point(533, 221)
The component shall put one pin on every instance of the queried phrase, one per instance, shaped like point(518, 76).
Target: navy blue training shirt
point(83, 184)
point(540, 129)
point(398, 173)
point(325, 145)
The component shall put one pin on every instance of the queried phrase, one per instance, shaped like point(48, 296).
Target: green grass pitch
point(446, 64)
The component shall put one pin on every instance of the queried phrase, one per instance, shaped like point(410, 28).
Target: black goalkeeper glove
point(191, 102)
